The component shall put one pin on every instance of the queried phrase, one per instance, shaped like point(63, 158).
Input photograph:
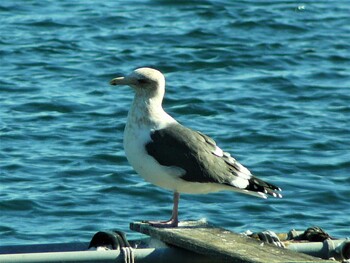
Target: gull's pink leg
point(175, 213)
point(173, 221)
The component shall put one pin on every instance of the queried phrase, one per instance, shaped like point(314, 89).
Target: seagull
point(175, 157)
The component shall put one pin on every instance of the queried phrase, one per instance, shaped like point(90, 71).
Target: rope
point(129, 255)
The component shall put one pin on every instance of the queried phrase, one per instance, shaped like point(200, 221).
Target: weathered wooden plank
point(220, 243)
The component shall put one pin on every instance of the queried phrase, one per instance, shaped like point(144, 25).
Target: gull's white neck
point(147, 112)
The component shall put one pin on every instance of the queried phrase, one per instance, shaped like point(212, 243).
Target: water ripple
point(267, 80)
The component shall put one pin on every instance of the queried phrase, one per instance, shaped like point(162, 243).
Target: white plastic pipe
point(146, 255)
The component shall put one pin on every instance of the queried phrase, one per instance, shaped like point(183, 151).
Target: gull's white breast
point(147, 167)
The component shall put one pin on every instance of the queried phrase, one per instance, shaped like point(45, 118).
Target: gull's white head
point(145, 81)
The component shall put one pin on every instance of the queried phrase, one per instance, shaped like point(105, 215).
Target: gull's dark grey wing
point(204, 162)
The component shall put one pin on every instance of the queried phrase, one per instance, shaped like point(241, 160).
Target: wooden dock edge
point(222, 244)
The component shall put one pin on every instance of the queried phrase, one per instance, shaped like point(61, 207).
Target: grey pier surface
point(221, 244)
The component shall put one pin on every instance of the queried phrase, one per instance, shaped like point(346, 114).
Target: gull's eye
point(142, 81)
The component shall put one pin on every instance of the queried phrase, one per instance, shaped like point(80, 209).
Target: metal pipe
point(339, 249)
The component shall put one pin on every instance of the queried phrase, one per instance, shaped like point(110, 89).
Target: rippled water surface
point(268, 80)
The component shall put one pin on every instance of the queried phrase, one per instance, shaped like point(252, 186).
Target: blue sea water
point(268, 80)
